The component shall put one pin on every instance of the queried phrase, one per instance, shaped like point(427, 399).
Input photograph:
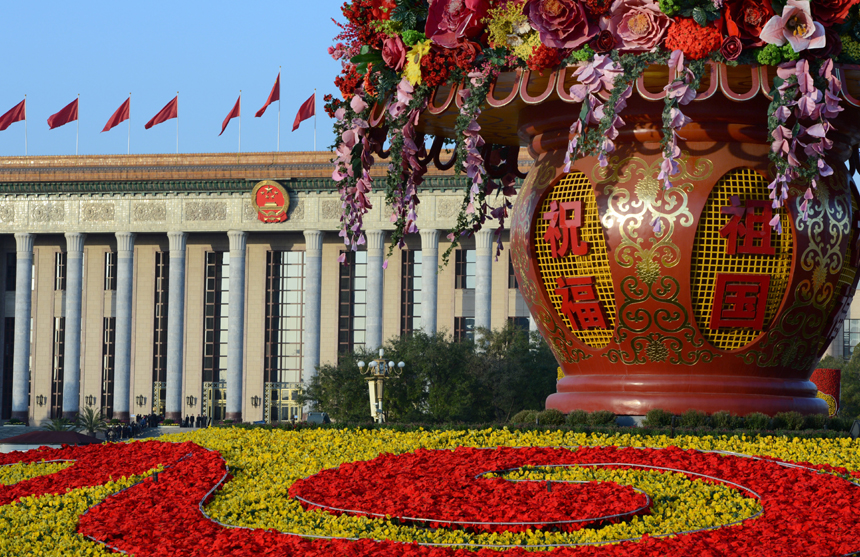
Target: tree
point(61, 424)
point(444, 380)
point(91, 421)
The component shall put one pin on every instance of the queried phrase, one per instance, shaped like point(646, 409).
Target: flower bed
point(811, 511)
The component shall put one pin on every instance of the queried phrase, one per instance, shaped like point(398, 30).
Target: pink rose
point(449, 21)
point(638, 25)
point(795, 26)
point(394, 53)
point(561, 23)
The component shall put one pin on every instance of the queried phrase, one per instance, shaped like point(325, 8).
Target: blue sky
point(54, 50)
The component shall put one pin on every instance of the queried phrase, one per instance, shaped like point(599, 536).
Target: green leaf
point(372, 57)
point(700, 16)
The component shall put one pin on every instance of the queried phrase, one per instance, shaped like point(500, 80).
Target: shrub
point(757, 421)
point(577, 417)
point(788, 420)
point(725, 420)
point(601, 417)
point(838, 424)
point(814, 421)
point(14, 421)
point(693, 418)
point(657, 418)
point(524, 417)
point(550, 416)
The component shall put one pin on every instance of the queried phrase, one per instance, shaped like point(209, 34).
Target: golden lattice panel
point(576, 187)
point(710, 258)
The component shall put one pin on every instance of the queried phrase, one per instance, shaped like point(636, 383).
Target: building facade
point(139, 284)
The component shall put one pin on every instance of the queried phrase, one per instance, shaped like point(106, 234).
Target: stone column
point(375, 248)
point(175, 325)
point(313, 299)
point(429, 279)
point(23, 312)
point(483, 277)
point(74, 285)
point(236, 322)
point(122, 359)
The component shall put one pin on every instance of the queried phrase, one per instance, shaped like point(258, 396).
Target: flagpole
point(279, 109)
point(129, 124)
point(177, 122)
point(240, 121)
point(25, 125)
point(315, 119)
point(78, 122)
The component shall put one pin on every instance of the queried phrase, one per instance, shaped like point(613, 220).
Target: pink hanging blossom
point(678, 93)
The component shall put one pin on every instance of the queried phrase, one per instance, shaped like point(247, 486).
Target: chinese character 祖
point(579, 303)
point(747, 224)
point(740, 301)
point(564, 229)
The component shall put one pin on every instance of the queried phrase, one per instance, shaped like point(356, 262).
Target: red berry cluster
point(331, 105)
point(544, 57)
point(348, 81)
point(436, 67)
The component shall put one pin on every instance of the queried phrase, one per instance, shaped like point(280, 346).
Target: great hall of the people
point(149, 284)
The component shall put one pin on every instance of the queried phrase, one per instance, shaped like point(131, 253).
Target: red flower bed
point(442, 488)
point(806, 513)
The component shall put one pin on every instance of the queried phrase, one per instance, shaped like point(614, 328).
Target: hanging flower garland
point(388, 46)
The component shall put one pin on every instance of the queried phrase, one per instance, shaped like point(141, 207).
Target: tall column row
point(176, 314)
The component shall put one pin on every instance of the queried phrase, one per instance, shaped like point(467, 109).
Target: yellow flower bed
point(15, 473)
point(266, 463)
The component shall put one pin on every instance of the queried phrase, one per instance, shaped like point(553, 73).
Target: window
point(464, 328)
point(108, 353)
point(512, 277)
point(520, 322)
point(110, 271)
point(850, 337)
point(8, 358)
point(410, 291)
point(216, 315)
point(59, 271)
point(464, 268)
point(159, 334)
point(58, 362)
point(11, 271)
point(352, 302)
point(285, 298)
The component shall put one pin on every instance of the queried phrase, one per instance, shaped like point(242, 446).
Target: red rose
point(394, 53)
point(603, 43)
point(831, 12)
point(561, 23)
point(731, 48)
point(448, 21)
point(745, 19)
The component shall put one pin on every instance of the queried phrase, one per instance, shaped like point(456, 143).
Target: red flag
point(275, 95)
point(121, 115)
point(17, 114)
point(233, 114)
point(170, 111)
point(68, 114)
point(307, 110)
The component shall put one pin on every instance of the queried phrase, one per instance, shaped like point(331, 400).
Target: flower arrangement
point(396, 52)
point(180, 497)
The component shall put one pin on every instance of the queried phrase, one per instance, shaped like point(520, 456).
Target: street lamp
point(190, 401)
point(141, 400)
point(91, 400)
point(255, 401)
point(377, 372)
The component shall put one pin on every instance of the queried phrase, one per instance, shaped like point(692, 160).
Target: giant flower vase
point(683, 296)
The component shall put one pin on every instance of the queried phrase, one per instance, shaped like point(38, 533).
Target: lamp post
point(190, 401)
point(91, 400)
point(377, 372)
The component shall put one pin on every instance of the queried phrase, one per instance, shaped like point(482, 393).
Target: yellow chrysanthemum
point(412, 70)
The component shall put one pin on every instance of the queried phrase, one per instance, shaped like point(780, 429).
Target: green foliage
point(551, 416)
point(524, 417)
point(756, 421)
point(580, 55)
point(814, 421)
point(839, 424)
point(693, 418)
point(443, 381)
point(577, 417)
point(657, 418)
point(725, 420)
point(412, 37)
point(770, 55)
point(90, 421)
point(788, 420)
point(61, 424)
point(702, 11)
point(601, 417)
point(411, 14)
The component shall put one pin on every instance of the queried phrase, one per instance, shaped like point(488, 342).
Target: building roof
point(51, 438)
point(204, 172)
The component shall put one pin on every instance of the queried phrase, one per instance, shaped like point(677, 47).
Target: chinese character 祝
point(564, 229)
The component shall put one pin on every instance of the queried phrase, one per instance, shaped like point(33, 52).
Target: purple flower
point(794, 26)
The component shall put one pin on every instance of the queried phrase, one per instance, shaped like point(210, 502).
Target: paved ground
point(12, 431)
